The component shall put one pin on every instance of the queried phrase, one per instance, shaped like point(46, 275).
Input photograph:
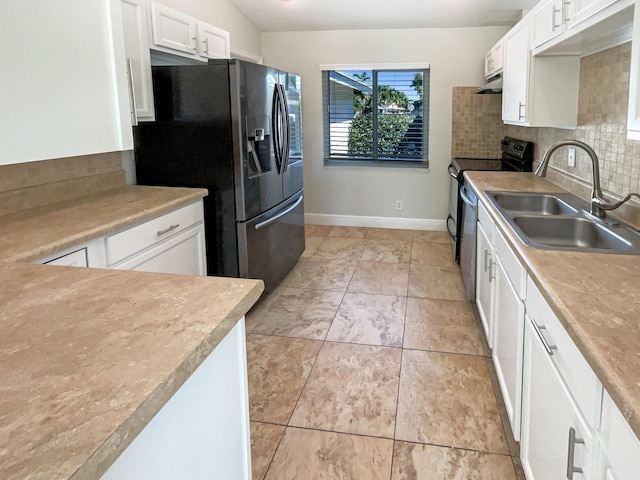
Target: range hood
point(493, 86)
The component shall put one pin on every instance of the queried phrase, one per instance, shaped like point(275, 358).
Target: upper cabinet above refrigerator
point(155, 33)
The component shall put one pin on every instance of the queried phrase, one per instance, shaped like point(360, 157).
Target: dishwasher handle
point(453, 173)
point(464, 195)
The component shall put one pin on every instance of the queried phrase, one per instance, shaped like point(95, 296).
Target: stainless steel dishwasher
point(468, 240)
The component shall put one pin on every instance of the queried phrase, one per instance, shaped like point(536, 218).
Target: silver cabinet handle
point(486, 259)
point(492, 274)
point(206, 46)
point(132, 94)
point(547, 346)
point(573, 440)
point(554, 25)
point(168, 229)
point(520, 109)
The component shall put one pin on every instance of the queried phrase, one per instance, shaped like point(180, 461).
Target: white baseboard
point(375, 222)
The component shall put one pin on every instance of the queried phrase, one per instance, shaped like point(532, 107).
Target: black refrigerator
point(234, 128)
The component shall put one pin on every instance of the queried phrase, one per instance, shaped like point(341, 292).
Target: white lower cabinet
point(485, 276)
point(620, 448)
point(170, 243)
point(202, 432)
point(556, 441)
point(508, 325)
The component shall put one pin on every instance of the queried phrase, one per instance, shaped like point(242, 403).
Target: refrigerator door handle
point(275, 127)
point(286, 129)
point(268, 222)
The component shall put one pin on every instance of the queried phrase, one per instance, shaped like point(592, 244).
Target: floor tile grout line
point(324, 341)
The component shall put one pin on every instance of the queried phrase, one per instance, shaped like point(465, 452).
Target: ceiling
point(297, 15)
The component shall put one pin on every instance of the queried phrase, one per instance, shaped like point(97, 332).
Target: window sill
point(376, 163)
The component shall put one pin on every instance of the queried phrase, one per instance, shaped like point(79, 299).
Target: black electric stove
point(517, 156)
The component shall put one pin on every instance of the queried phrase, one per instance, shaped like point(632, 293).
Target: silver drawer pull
point(547, 346)
point(168, 229)
point(573, 440)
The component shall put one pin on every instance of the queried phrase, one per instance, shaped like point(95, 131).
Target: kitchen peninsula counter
point(89, 356)
point(32, 234)
point(596, 296)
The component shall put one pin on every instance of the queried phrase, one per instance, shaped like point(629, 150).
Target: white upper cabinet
point(63, 87)
point(173, 30)
point(549, 20)
point(136, 45)
point(179, 34)
point(540, 91)
point(494, 60)
point(582, 9)
point(213, 42)
point(516, 74)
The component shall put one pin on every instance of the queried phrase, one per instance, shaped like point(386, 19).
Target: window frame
point(376, 162)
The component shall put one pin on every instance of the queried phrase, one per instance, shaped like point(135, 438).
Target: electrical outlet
point(398, 204)
point(571, 157)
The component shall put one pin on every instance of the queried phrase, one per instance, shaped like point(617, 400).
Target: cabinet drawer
point(573, 368)
point(135, 239)
point(516, 273)
point(486, 222)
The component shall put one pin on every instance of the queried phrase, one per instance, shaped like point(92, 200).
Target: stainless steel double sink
point(560, 221)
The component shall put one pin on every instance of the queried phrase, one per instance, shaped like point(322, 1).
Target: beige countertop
point(88, 356)
point(596, 296)
point(35, 233)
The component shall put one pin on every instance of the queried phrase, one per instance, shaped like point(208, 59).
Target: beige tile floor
point(367, 363)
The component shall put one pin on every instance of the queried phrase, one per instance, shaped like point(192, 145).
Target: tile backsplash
point(602, 124)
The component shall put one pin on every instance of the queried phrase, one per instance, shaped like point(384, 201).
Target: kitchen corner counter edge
point(71, 337)
point(596, 296)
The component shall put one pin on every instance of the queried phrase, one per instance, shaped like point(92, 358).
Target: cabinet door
point(488, 64)
point(184, 254)
point(485, 277)
point(620, 447)
point(548, 21)
point(516, 74)
point(63, 88)
point(213, 42)
point(136, 46)
point(633, 114)
point(583, 9)
point(508, 332)
point(173, 30)
point(555, 442)
point(497, 57)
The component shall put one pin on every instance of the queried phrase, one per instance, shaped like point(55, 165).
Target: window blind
point(376, 116)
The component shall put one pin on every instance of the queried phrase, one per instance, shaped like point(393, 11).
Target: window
point(376, 116)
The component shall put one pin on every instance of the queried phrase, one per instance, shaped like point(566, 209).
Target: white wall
point(456, 59)
point(245, 37)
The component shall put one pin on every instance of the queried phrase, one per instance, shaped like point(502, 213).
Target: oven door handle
point(453, 173)
point(450, 221)
point(466, 199)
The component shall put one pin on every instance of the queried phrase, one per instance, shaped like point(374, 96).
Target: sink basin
point(560, 221)
point(538, 203)
point(571, 232)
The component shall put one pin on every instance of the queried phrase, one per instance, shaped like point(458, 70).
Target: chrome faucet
point(598, 204)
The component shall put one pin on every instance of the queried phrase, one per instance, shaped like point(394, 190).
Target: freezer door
point(258, 182)
point(292, 175)
point(269, 246)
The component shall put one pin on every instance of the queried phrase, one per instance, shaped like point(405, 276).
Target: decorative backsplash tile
point(602, 124)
